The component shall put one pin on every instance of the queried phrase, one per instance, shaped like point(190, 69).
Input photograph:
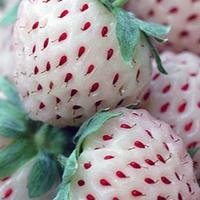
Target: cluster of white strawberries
point(65, 59)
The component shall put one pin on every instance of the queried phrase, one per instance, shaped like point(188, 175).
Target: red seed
point(57, 100)
point(160, 158)
point(126, 126)
point(104, 31)
point(36, 70)
point(107, 137)
point(188, 126)
point(98, 103)
point(68, 77)
point(81, 183)
point(62, 37)
point(86, 26)
point(48, 66)
point(165, 180)
point(46, 42)
point(35, 25)
point(81, 51)
point(34, 49)
point(161, 198)
point(136, 193)
point(51, 85)
point(166, 89)
point(8, 193)
point(104, 182)
point(108, 157)
point(120, 174)
point(110, 54)
point(150, 162)
point(185, 87)
point(58, 117)
point(64, 13)
point(115, 198)
point(90, 197)
point(164, 107)
point(135, 165)
point(63, 60)
point(90, 69)
point(39, 87)
point(73, 92)
point(149, 180)
point(139, 144)
point(115, 79)
point(76, 107)
point(180, 196)
point(42, 105)
point(84, 7)
point(94, 87)
point(146, 96)
point(87, 165)
point(156, 76)
point(149, 133)
point(182, 107)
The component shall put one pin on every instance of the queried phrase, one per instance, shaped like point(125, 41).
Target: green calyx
point(193, 151)
point(90, 127)
point(129, 30)
point(29, 140)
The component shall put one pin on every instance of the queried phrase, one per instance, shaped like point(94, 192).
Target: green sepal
point(51, 138)
point(153, 30)
point(156, 56)
point(128, 34)
point(10, 16)
point(42, 176)
point(193, 151)
point(70, 169)
point(13, 122)
point(91, 126)
point(10, 92)
point(15, 156)
point(118, 3)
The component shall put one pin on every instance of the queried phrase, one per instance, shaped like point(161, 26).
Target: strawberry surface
point(182, 15)
point(69, 63)
point(175, 98)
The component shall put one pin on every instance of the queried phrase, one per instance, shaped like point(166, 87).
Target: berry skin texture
point(175, 98)
point(183, 16)
point(143, 159)
point(15, 187)
point(69, 64)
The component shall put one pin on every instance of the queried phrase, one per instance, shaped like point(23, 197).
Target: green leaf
point(42, 176)
point(70, 170)
point(128, 34)
point(153, 30)
point(15, 156)
point(156, 56)
point(10, 16)
point(193, 151)
point(91, 126)
point(13, 122)
point(51, 138)
point(10, 92)
point(118, 3)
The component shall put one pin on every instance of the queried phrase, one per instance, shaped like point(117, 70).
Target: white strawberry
point(175, 98)
point(28, 150)
point(131, 156)
point(15, 187)
point(69, 63)
point(182, 15)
